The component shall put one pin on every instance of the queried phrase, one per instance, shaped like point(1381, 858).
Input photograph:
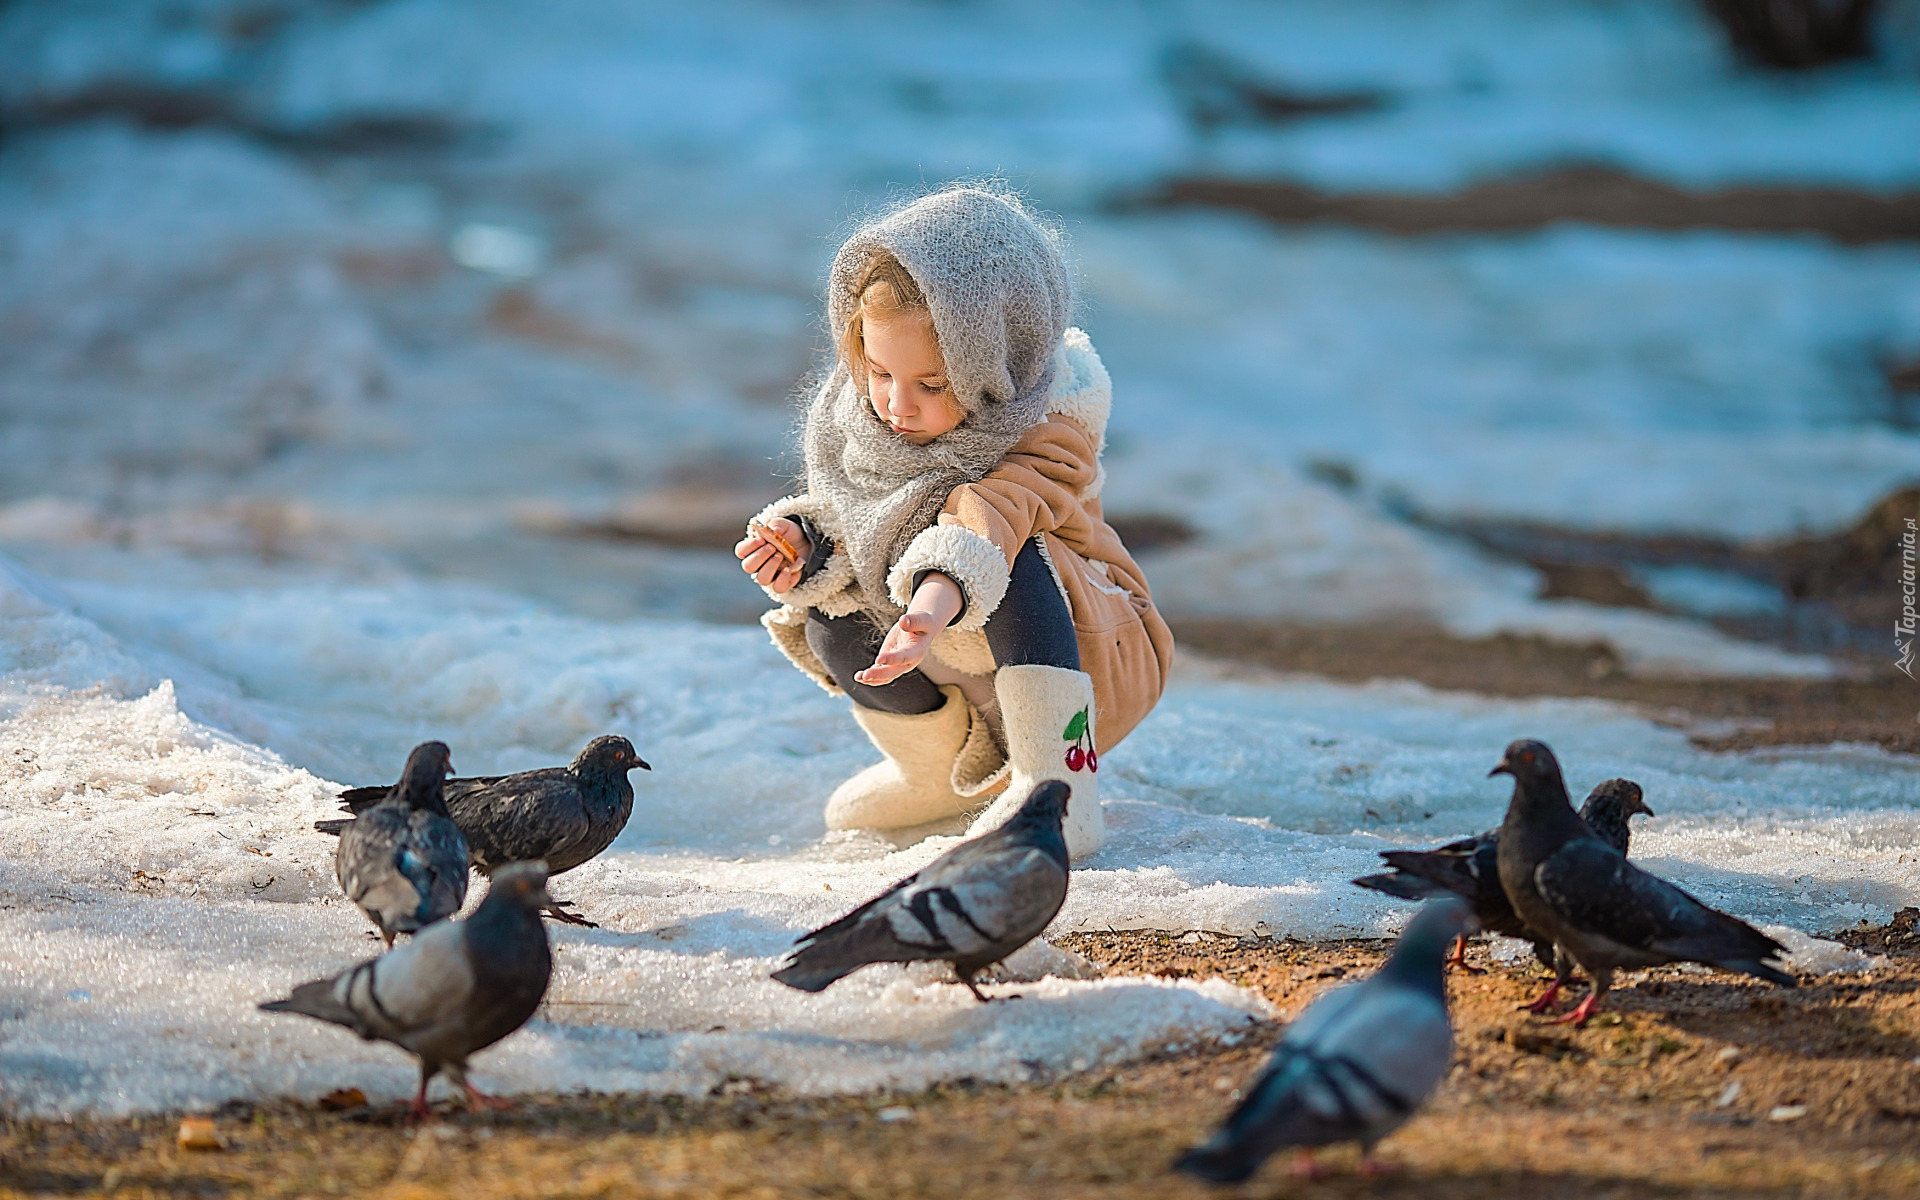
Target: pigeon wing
point(414, 989)
point(1355, 1065)
point(521, 817)
point(368, 864)
point(1597, 890)
point(442, 849)
point(985, 908)
point(396, 996)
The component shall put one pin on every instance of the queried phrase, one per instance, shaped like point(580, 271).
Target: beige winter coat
point(1047, 487)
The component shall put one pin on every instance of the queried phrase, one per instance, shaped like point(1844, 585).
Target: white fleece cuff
point(970, 560)
point(834, 576)
point(1082, 389)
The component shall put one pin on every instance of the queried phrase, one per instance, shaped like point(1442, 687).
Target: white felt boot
point(1048, 716)
point(913, 784)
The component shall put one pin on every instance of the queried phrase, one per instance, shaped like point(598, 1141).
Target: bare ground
point(1880, 706)
point(1640, 1104)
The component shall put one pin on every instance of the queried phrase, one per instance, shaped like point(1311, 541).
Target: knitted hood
point(994, 279)
point(997, 288)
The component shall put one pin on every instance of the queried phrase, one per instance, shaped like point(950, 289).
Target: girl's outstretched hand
point(936, 602)
point(768, 566)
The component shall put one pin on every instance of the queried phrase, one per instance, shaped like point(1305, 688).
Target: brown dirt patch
point(1883, 709)
point(1597, 195)
point(1628, 1106)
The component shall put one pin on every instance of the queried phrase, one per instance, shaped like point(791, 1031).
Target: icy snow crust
point(158, 876)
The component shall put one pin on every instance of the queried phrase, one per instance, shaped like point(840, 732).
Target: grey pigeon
point(1356, 1064)
point(563, 816)
point(972, 906)
point(456, 989)
point(404, 862)
point(1595, 906)
point(1469, 867)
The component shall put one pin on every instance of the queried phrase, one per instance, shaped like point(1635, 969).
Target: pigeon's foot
point(1459, 958)
point(419, 1110)
point(1369, 1165)
point(1545, 1002)
point(479, 1100)
point(1578, 1016)
point(563, 912)
point(973, 987)
point(1305, 1167)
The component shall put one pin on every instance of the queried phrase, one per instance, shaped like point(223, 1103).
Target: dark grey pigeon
point(1597, 908)
point(1356, 1064)
point(562, 816)
point(404, 862)
point(972, 906)
point(1469, 868)
point(456, 989)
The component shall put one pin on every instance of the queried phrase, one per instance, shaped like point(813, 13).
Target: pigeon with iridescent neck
point(1596, 907)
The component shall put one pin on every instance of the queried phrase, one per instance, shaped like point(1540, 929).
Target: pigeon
point(1355, 1065)
point(454, 990)
point(404, 862)
point(563, 816)
point(1469, 868)
point(972, 906)
point(1597, 908)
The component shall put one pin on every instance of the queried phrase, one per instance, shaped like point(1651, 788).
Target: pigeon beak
point(1645, 810)
point(641, 763)
point(1501, 769)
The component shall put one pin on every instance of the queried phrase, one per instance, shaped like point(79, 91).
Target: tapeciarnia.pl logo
point(1904, 624)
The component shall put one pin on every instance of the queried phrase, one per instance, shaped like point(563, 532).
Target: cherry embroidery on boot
point(1081, 753)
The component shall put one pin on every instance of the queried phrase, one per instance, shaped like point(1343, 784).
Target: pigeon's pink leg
point(1459, 958)
point(1304, 1167)
point(1369, 1165)
point(1578, 1016)
point(480, 1099)
point(419, 1110)
point(1546, 999)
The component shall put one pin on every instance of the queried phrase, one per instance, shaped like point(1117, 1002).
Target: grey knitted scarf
point(997, 286)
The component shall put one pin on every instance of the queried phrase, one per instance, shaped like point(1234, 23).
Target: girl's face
point(907, 378)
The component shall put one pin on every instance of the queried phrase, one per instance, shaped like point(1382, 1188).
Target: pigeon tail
point(316, 999)
point(814, 976)
point(335, 828)
point(1225, 1164)
point(360, 799)
point(1449, 869)
point(1402, 886)
point(1758, 968)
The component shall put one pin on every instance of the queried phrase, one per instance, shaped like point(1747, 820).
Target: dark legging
point(1031, 627)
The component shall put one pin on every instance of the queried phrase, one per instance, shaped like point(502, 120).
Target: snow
point(286, 434)
point(159, 874)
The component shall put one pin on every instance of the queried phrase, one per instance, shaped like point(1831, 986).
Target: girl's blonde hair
point(884, 290)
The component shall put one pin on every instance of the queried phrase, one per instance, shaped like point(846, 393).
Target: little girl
point(947, 566)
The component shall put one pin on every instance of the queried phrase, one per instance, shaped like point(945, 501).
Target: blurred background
point(1594, 323)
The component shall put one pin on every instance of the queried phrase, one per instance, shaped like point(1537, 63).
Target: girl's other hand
point(768, 566)
point(935, 604)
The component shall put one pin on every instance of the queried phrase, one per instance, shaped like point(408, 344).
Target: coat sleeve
point(828, 571)
point(1037, 488)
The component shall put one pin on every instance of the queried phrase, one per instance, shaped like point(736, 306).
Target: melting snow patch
point(1819, 956)
point(159, 877)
